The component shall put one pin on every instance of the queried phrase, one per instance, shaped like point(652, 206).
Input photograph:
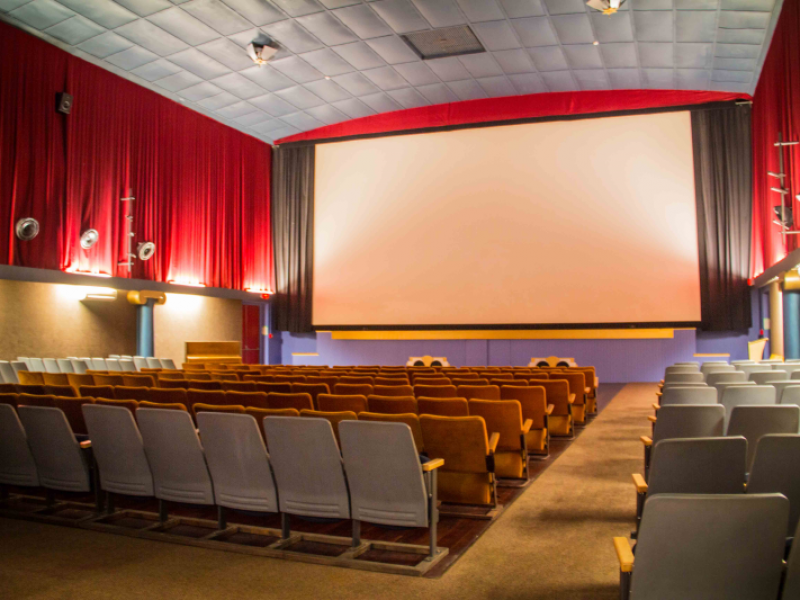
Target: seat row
point(9, 370)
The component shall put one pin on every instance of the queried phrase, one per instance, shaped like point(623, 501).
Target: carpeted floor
point(553, 542)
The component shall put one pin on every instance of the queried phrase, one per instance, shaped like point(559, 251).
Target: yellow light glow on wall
point(72, 293)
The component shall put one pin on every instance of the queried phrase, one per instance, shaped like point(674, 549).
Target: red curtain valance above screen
point(202, 188)
point(512, 108)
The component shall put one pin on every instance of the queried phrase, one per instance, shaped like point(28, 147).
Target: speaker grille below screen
point(448, 41)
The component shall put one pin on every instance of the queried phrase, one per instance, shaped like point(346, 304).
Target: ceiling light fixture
point(607, 7)
point(261, 51)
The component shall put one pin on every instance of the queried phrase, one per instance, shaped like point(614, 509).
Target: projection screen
point(587, 221)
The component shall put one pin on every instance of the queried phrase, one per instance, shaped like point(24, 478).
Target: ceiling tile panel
point(515, 61)
point(354, 108)
point(217, 16)
point(440, 13)
point(327, 62)
point(293, 36)
point(75, 30)
point(535, 31)
point(381, 102)
point(238, 86)
point(258, 12)
point(201, 91)
point(158, 69)
point(327, 89)
point(219, 101)
point(417, 73)
point(565, 7)
point(105, 45)
point(401, 15)
point(409, 98)
point(573, 29)
point(525, 8)
point(42, 14)
point(656, 55)
point(356, 84)
point(448, 69)
point(236, 110)
point(737, 51)
point(560, 81)
point(297, 69)
point(438, 93)
point(152, 38)
point(624, 79)
point(254, 118)
point(184, 26)
point(327, 29)
point(497, 87)
point(298, 8)
point(616, 29)
point(496, 35)
point(144, 7)
point(583, 56)
point(654, 26)
point(179, 81)
point(103, 12)
point(300, 97)
point(741, 36)
point(131, 58)
point(693, 56)
point(481, 65)
point(619, 55)
point(592, 80)
point(528, 83)
point(386, 78)
point(481, 10)
point(549, 58)
point(302, 121)
point(392, 49)
point(468, 89)
point(360, 55)
point(659, 79)
point(695, 26)
point(267, 77)
point(273, 105)
point(363, 21)
point(327, 114)
point(200, 64)
point(226, 52)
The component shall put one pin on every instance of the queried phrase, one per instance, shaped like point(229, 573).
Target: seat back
point(746, 395)
point(431, 381)
point(76, 380)
point(391, 381)
point(410, 419)
point(698, 466)
point(710, 546)
point(296, 401)
point(239, 386)
point(153, 363)
point(701, 420)
point(118, 449)
point(108, 380)
point(30, 377)
point(98, 364)
point(175, 456)
point(460, 380)
point(113, 364)
point(17, 466)
point(51, 365)
point(168, 363)
point(557, 394)
point(126, 365)
point(443, 407)
point(280, 388)
point(765, 376)
point(97, 391)
point(404, 390)
point(461, 441)
point(59, 460)
point(211, 397)
point(64, 365)
point(71, 407)
point(7, 373)
point(24, 399)
point(308, 467)
point(138, 381)
point(727, 376)
point(247, 399)
point(55, 378)
point(503, 417)
point(689, 395)
point(342, 402)
point(791, 394)
point(754, 422)
point(392, 404)
point(436, 391)
point(238, 461)
point(387, 487)
point(36, 365)
point(685, 377)
point(169, 396)
point(182, 384)
point(139, 362)
point(532, 401)
point(353, 389)
point(61, 390)
point(774, 470)
point(482, 392)
point(129, 405)
point(79, 365)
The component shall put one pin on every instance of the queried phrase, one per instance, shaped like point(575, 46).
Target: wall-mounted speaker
point(427, 361)
point(64, 102)
point(552, 361)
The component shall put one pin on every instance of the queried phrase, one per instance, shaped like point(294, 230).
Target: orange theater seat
point(30, 378)
point(55, 379)
point(334, 417)
point(168, 396)
point(97, 391)
point(313, 389)
point(456, 381)
point(533, 401)
point(163, 405)
point(435, 391)
point(482, 392)
point(296, 401)
point(392, 404)
point(61, 390)
point(444, 407)
point(11, 399)
point(239, 386)
point(131, 405)
point(71, 407)
point(200, 384)
point(357, 380)
point(342, 402)
point(138, 381)
point(505, 417)
point(353, 389)
point(200, 407)
point(173, 384)
point(278, 388)
point(577, 388)
point(247, 399)
point(123, 392)
point(558, 396)
point(393, 390)
point(108, 379)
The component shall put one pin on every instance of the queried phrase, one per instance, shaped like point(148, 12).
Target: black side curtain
point(292, 205)
point(723, 176)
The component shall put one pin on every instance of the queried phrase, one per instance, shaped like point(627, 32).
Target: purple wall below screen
point(618, 361)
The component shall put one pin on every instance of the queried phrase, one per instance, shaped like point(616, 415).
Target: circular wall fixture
point(89, 238)
point(27, 229)
point(145, 250)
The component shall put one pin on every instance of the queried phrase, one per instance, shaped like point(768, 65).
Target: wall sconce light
point(89, 238)
point(27, 229)
point(100, 295)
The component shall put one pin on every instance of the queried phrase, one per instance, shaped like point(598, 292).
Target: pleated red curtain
point(201, 188)
point(776, 108)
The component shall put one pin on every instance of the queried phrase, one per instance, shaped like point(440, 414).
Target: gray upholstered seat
point(308, 467)
point(681, 369)
point(99, 364)
point(753, 422)
point(113, 364)
point(126, 365)
point(711, 465)
point(18, 366)
point(787, 367)
point(781, 386)
point(139, 362)
point(790, 395)
point(168, 363)
point(724, 385)
point(689, 377)
point(17, 466)
point(791, 588)
point(238, 462)
point(119, 450)
point(689, 363)
point(697, 547)
point(51, 365)
point(725, 376)
point(59, 459)
point(707, 368)
point(746, 395)
point(153, 363)
point(689, 395)
point(774, 470)
point(765, 376)
point(750, 368)
point(175, 456)
point(79, 365)
point(65, 365)
point(7, 373)
point(737, 363)
point(35, 365)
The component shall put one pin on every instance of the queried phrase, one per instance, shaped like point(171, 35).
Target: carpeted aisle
point(553, 542)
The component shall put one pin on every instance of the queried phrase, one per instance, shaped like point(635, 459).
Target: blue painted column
point(145, 335)
point(791, 324)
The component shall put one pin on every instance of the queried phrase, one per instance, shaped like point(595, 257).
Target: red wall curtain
point(776, 107)
point(201, 188)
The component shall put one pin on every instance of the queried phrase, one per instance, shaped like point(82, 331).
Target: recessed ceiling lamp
point(89, 238)
point(607, 7)
point(27, 229)
point(262, 50)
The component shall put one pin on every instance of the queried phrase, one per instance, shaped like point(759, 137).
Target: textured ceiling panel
point(344, 59)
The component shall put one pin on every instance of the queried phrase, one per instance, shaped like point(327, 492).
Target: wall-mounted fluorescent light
point(99, 294)
point(187, 283)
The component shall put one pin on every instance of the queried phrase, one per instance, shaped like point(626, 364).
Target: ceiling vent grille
point(447, 41)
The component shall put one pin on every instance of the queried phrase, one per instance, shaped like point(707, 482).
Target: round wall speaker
point(145, 250)
point(27, 229)
point(89, 238)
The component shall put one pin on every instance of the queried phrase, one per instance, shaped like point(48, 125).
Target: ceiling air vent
point(448, 41)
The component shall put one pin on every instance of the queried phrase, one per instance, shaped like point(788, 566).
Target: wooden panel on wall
point(189, 318)
point(50, 320)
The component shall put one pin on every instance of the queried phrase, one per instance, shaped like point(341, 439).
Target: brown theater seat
point(297, 401)
point(278, 388)
point(329, 380)
point(108, 380)
point(357, 380)
point(435, 391)
point(410, 419)
point(169, 396)
point(393, 390)
point(76, 380)
point(55, 379)
point(509, 381)
point(124, 392)
point(200, 407)
point(239, 386)
point(355, 403)
point(466, 381)
point(290, 379)
point(166, 375)
point(334, 417)
point(392, 405)
point(97, 391)
point(30, 378)
point(577, 388)
point(200, 384)
point(131, 405)
point(353, 389)
point(211, 397)
point(313, 389)
point(247, 399)
point(163, 405)
point(8, 388)
point(393, 381)
point(32, 389)
point(482, 392)
point(225, 377)
point(431, 381)
point(467, 476)
point(71, 407)
point(173, 384)
point(260, 413)
point(505, 417)
point(444, 407)
point(558, 395)
point(9, 399)
point(147, 381)
point(533, 401)
point(31, 400)
point(61, 390)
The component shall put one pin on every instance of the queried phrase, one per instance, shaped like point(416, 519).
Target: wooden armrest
point(652, 419)
point(646, 440)
point(587, 390)
point(526, 426)
point(571, 398)
point(624, 554)
point(86, 444)
point(639, 482)
point(432, 464)
point(550, 408)
point(661, 382)
point(494, 439)
point(656, 406)
point(596, 382)
point(659, 394)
